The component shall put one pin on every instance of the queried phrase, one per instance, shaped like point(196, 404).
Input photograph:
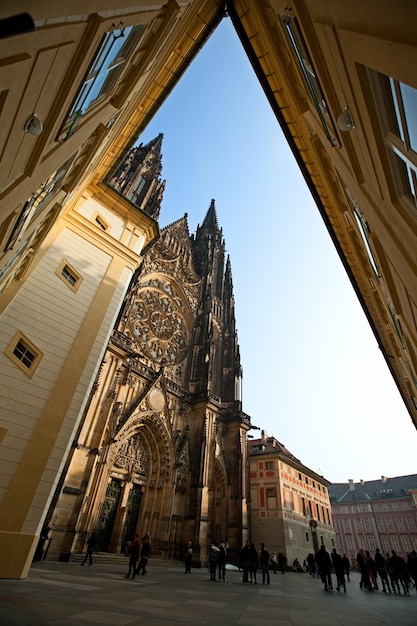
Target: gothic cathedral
point(163, 443)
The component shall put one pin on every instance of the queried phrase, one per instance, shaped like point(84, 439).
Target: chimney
point(362, 481)
point(351, 485)
point(384, 479)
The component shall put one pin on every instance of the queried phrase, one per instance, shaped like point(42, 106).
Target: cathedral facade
point(162, 446)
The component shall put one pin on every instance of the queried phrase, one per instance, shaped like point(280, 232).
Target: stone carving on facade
point(131, 453)
point(132, 456)
point(182, 459)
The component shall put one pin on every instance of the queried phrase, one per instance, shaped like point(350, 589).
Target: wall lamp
point(345, 121)
point(33, 125)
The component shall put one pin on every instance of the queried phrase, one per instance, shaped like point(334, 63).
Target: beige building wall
point(67, 327)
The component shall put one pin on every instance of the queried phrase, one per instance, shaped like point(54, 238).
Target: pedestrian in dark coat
point(282, 562)
point(133, 548)
point(324, 563)
point(339, 570)
point(412, 567)
point(91, 545)
point(188, 557)
point(245, 561)
point(365, 581)
point(264, 562)
point(346, 565)
point(223, 545)
point(381, 568)
point(213, 560)
point(145, 553)
point(253, 563)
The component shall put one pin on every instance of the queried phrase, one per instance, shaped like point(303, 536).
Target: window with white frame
point(395, 543)
point(384, 543)
point(399, 103)
point(308, 71)
point(34, 204)
point(406, 544)
point(106, 67)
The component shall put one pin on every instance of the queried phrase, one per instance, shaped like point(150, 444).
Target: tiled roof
point(381, 489)
point(270, 445)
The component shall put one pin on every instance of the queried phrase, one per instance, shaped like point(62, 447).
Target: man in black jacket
point(264, 562)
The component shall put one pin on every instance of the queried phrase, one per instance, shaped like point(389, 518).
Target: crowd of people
point(390, 573)
point(394, 573)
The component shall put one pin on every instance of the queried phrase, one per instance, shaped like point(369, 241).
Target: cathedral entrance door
point(132, 513)
point(108, 514)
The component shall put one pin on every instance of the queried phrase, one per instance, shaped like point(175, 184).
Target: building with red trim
point(289, 503)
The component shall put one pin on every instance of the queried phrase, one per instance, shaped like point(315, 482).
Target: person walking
point(282, 562)
point(346, 566)
point(133, 548)
point(311, 564)
point(188, 557)
point(145, 553)
point(213, 560)
point(324, 563)
point(365, 581)
point(381, 568)
point(253, 563)
point(339, 570)
point(222, 560)
point(397, 566)
point(371, 569)
point(264, 562)
point(274, 562)
point(91, 545)
point(245, 561)
point(412, 567)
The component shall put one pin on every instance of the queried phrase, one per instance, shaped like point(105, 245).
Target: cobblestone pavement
point(65, 594)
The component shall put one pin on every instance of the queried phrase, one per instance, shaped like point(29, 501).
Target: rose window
point(158, 325)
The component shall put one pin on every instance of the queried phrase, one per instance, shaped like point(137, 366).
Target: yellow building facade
point(76, 90)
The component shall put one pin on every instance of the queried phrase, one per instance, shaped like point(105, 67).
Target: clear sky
point(313, 375)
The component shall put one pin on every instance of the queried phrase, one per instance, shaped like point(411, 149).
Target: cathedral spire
point(137, 177)
point(210, 221)
point(208, 238)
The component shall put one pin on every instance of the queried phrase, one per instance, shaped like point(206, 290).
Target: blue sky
point(313, 375)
